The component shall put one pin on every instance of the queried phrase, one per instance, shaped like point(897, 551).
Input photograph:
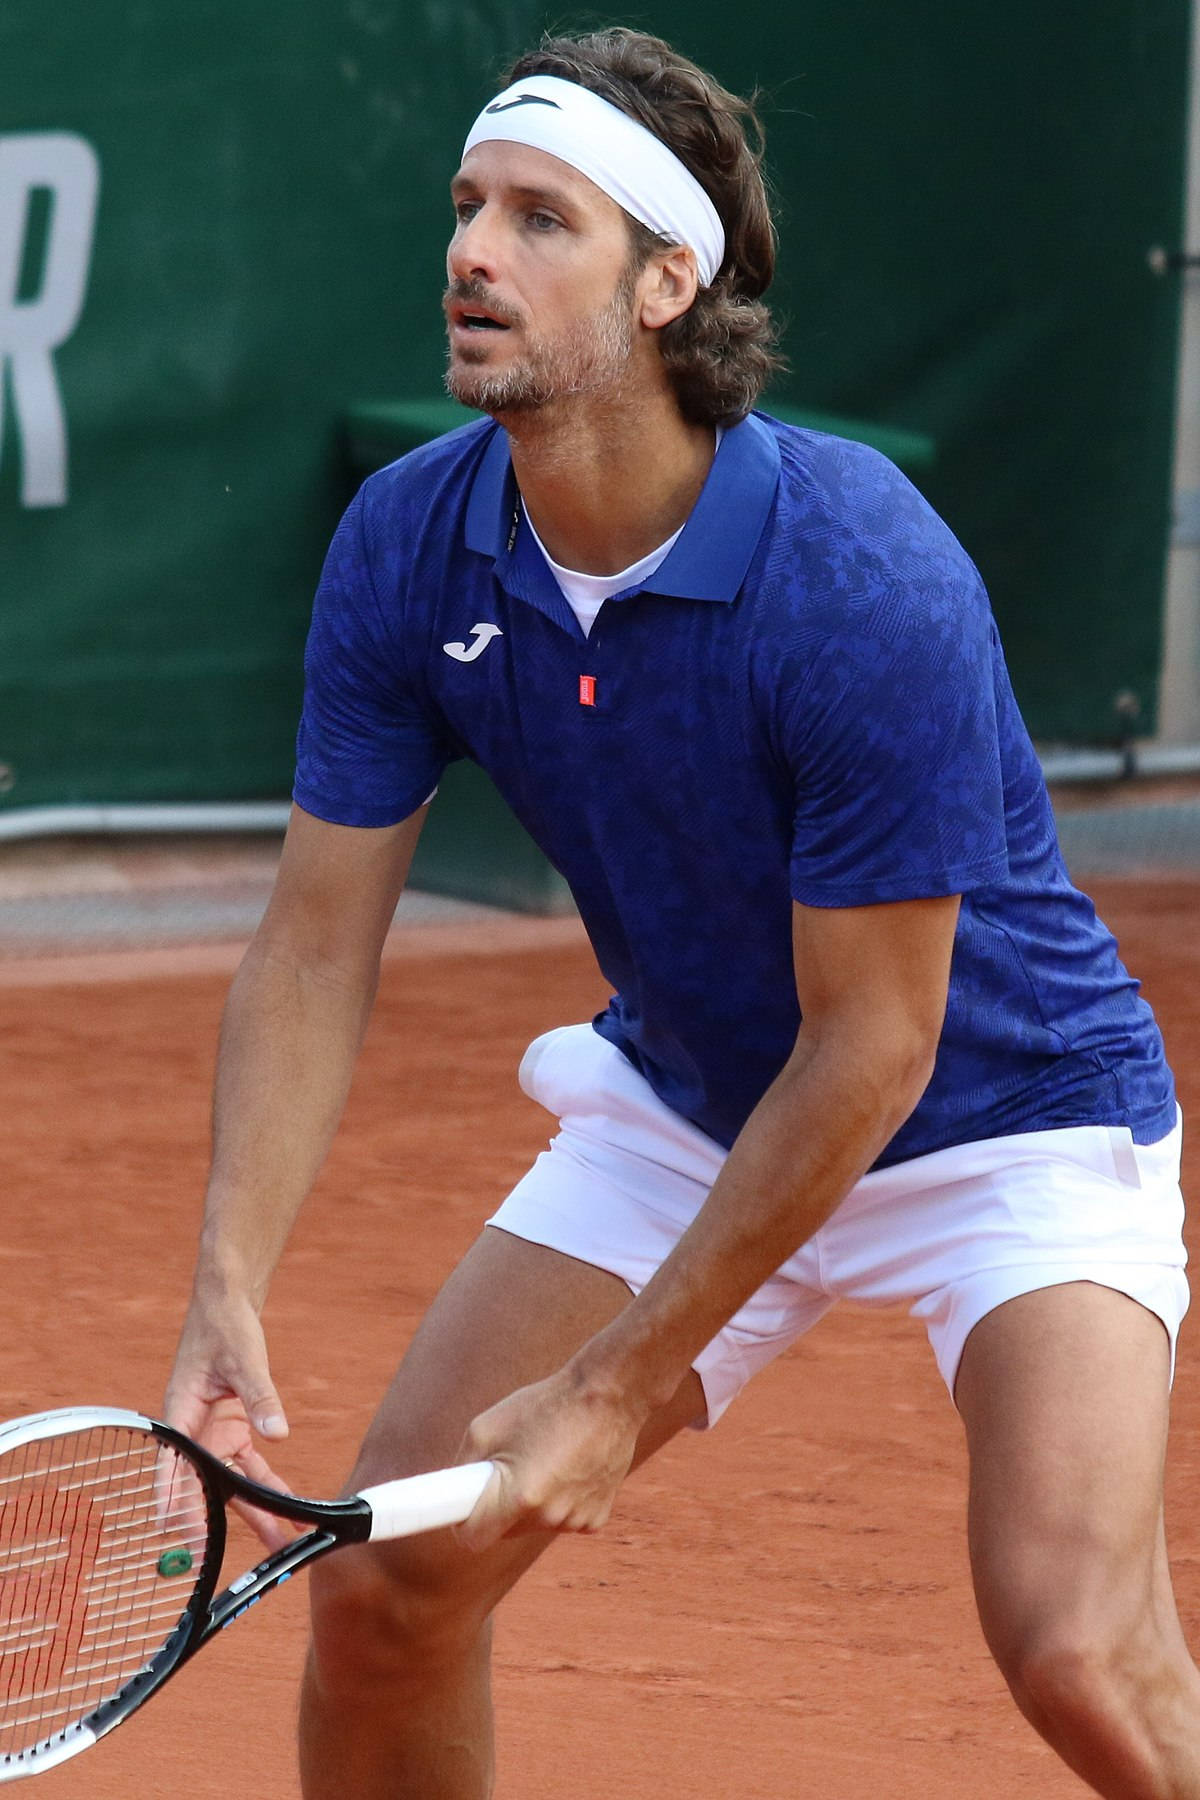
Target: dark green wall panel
point(967, 200)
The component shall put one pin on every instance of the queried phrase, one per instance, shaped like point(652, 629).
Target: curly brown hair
point(720, 354)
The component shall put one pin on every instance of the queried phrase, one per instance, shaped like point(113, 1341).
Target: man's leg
point(1064, 1393)
point(396, 1702)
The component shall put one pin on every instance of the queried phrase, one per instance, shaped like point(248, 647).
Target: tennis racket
point(112, 1534)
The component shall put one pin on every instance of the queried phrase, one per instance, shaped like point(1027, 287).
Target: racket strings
point(102, 1540)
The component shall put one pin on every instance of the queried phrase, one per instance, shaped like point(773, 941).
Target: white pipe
point(272, 815)
point(90, 821)
point(1083, 765)
point(1114, 765)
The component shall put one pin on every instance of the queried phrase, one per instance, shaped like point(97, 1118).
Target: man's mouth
point(468, 312)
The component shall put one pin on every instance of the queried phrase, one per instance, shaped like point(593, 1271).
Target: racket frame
point(333, 1523)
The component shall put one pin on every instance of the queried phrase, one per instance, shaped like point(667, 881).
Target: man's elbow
point(293, 952)
point(907, 1062)
point(921, 1062)
point(885, 1061)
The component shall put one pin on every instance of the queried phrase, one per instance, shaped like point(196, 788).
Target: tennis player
point(866, 1039)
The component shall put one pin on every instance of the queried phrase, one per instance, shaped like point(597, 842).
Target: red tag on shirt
point(587, 690)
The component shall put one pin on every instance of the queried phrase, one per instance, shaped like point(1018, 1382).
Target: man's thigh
point(1064, 1394)
point(511, 1313)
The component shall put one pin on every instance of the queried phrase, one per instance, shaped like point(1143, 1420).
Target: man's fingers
point(250, 1462)
point(558, 1466)
point(249, 1397)
point(503, 1511)
point(493, 1514)
point(222, 1356)
point(273, 1532)
point(220, 1393)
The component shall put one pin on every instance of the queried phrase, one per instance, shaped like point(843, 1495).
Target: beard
point(591, 358)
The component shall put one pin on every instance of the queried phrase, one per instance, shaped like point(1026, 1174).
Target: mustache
point(476, 293)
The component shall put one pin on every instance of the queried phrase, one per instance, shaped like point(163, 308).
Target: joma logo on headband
point(522, 100)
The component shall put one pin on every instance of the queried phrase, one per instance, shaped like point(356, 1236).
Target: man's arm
point(293, 1025)
point(872, 984)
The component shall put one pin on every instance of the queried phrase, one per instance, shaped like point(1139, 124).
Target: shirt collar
point(712, 555)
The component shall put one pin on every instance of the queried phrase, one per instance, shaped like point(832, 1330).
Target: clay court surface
point(780, 1608)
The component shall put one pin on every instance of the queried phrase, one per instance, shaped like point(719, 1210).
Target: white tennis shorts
point(951, 1235)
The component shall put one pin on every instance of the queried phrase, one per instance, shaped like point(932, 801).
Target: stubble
point(591, 359)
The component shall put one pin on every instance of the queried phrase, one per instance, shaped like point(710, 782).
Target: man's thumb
point(265, 1411)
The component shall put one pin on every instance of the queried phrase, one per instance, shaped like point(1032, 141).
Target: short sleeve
point(368, 751)
point(890, 727)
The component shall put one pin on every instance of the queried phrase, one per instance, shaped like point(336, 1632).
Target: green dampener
point(175, 1562)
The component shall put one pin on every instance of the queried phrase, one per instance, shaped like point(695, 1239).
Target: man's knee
point(1073, 1673)
point(396, 1612)
point(1063, 1675)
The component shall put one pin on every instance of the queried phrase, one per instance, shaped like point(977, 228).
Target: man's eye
point(466, 210)
point(543, 221)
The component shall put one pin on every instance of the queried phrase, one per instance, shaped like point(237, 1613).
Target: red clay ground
point(778, 1609)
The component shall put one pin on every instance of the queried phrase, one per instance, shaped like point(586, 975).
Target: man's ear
point(669, 286)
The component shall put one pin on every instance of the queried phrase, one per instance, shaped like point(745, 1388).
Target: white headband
point(626, 161)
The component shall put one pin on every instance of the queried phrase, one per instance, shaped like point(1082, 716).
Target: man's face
point(542, 292)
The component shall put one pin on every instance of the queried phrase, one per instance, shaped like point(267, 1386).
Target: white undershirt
point(586, 594)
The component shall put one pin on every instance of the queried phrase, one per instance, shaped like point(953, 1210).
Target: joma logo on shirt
point(483, 635)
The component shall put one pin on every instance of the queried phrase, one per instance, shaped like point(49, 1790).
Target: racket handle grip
point(425, 1502)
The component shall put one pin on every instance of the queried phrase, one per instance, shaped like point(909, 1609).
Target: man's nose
point(474, 252)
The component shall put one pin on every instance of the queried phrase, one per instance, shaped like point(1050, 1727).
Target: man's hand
point(220, 1393)
point(561, 1452)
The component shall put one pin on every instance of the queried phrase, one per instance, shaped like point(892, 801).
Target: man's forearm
point(289, 1041)
point(815, 1132)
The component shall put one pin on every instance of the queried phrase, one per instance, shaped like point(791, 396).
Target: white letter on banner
point(32, 330)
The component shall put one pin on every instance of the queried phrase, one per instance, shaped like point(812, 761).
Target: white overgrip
point(425, 1502)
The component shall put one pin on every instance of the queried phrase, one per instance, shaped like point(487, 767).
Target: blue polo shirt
point(807, 701)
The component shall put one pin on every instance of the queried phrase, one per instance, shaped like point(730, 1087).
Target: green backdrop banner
point(222, 226)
